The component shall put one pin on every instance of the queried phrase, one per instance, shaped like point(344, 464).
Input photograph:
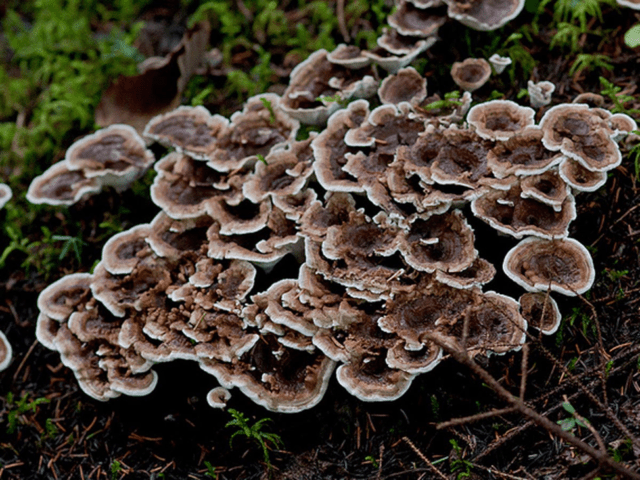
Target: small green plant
point(15, 408)
point(459, 465)
point(337, 98)
point(613, 93)
point(261, 158)
point(116, 468)
point(50, 429)
point(451, 100)
point(372, 461)
point(615, 275)
point(569, 424)
point(589, 62)
point(267, 104)
point(253, 432)
point(211, 470)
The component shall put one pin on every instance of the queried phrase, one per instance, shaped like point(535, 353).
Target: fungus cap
point(116, 154)
point(499, 63)
point(579, 178)
point(407, 85)
point(5, 352)
point(412, 21)
point(564, 266)
point(59, 185)
point(5, 194)
point(471, 74)
point(484, 15)
point(540, 311)
point(540, 93)
point(218, 397)
point(500, 119)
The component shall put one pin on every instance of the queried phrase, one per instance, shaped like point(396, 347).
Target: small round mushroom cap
point(591, 99)
point(348, 56)
point(191, 130)
point(540, 93)
point(5, 352)
point(564, 266)
point(415, 22)
point(397, 44)
point(5, 194)
point(121, 253)
point(218, 397)
point(116, 154)
point(484, 15)
point(541, 311)
point(471, 74)
point(60, 299)
point(500, 119)
point(59, 185)
point(499, 63)
point(405, 86)
point(579, 178)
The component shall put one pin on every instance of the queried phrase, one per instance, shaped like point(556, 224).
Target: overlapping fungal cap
point(411, 20)
point(115, 156)
point(5, 194)
point(581, 133)
point(190, 130)
point(484, 14)
point(471, 74)
point(59, 185)
point(579, 178)
point(564, 266)
point(317, 85)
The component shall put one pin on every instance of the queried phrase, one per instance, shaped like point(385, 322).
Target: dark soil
point(173, 432)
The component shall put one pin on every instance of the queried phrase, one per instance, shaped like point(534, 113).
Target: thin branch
point(474, 418)
point(523, 374)
point(433, 468)
point(342, 24)
point(462, 357)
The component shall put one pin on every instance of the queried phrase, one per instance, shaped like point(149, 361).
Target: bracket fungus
point(370, 219)
point(115, 156)
point(563, 265)
point(484, 15)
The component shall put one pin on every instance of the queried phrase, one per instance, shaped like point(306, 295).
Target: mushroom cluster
point(277, 259)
